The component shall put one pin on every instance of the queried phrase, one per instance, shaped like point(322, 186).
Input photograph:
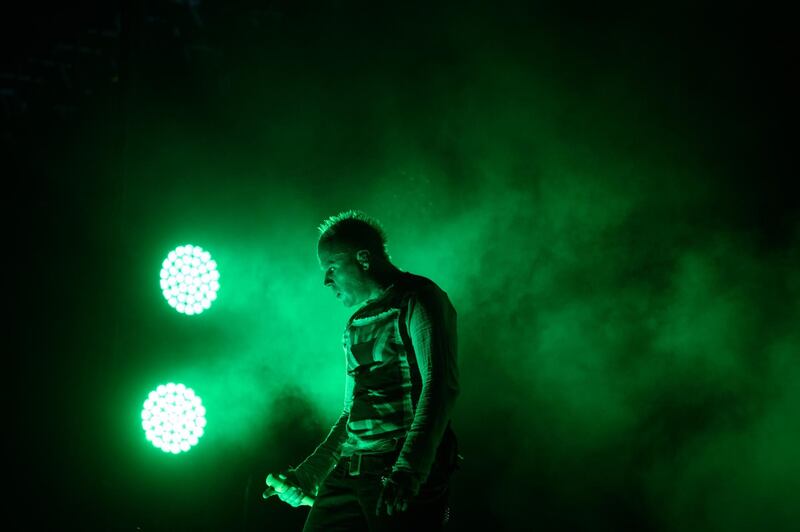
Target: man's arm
point(431, 323)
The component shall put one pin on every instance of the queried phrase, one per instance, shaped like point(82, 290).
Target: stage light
point(189, 279)
point(173, 418)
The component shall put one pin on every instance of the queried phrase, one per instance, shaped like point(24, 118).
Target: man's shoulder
point(411, 283)
point(419, 287)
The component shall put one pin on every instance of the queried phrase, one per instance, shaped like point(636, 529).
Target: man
point(387, 461)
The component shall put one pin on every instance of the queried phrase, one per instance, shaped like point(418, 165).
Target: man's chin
point(346, 301)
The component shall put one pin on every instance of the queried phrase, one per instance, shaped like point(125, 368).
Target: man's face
point(343, 274)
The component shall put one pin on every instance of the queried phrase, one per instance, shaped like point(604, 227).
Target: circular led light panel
point(173, 418)
point(189, 279)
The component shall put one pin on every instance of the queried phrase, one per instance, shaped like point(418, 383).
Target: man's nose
point(328, 280)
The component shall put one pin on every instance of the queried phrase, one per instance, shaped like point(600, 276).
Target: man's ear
point(363, 258)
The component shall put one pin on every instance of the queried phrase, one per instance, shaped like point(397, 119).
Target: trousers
point(348, 498)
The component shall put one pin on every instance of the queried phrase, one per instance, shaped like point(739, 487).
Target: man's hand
point(293, 496)
point(397, 491)
point(288, 489)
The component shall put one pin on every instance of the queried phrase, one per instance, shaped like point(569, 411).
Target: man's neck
point(383, 280)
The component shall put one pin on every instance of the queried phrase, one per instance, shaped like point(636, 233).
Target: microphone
point(277, 485)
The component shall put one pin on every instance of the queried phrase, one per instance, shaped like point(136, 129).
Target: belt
point(360, 463)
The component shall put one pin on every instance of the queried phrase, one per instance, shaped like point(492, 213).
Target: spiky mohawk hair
point(357, 229)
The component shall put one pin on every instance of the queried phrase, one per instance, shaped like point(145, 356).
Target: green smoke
point(628, 339)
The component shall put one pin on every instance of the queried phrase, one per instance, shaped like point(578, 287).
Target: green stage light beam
point(189, 279)
point(173, 418)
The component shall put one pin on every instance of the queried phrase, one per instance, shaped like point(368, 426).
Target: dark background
point(604, 190)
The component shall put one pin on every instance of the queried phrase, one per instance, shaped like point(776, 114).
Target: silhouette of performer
point(387, 461)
